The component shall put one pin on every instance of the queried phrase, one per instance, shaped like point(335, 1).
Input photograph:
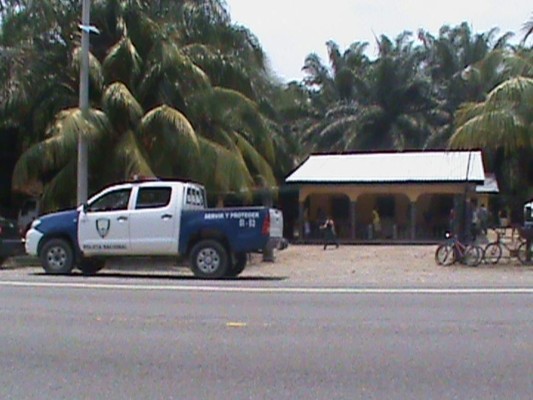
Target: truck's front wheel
point(57, 257)
point(209, 260)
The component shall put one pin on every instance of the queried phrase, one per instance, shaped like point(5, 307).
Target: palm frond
point(468, 111)
point(520, 63)
point(223, 171)
point(121, 107)
point(171, 75)
point(518, 90)
point(52, 154)
point(96, 74)
point(58, 193)
point(493, 129)
point(170, 139)
point(257, 163)
point(122, 63)
point(242, 114)
point(129, 159)
point(223, 70)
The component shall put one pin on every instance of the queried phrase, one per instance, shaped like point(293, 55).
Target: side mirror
point(85, 207)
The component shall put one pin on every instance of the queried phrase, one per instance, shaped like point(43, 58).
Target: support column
point(268, 250)
point(301, 220)
point(457, 223)
point(412, 207)
point(353, 218)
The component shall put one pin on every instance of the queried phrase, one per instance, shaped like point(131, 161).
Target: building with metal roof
point(431, 166)
point(389, 196)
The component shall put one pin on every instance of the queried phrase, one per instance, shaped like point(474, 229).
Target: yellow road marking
point(236, 324)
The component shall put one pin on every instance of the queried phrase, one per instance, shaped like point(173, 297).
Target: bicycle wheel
point(492, 253)
point(444, 255)
point(473, 256)
point(522, 254)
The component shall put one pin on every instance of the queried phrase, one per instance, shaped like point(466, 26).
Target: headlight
point(35, 223)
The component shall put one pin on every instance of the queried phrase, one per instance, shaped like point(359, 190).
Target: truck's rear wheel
point(209, 260)
point(238, 266)
point(57, 257)
point(90, 266)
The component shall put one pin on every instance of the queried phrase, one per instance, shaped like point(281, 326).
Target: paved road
point(148, 339)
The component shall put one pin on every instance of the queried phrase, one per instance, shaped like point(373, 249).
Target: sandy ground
point(383, 265)
point(355, 265)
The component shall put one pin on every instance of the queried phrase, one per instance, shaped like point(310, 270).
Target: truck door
point(153, 222)
point(104, 226)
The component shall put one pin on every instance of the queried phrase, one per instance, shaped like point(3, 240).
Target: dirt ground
point(349, 265)
point(383, 265)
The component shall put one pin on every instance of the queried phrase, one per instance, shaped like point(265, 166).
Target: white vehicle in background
point(528, 215)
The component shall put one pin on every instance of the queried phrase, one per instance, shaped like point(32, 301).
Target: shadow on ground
point(166, 277)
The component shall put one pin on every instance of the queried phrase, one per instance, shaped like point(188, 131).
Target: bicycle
point(453, 250)
point(525, 254)
point(493, 251)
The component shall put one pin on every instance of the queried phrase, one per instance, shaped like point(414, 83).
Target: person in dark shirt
point(330, 235)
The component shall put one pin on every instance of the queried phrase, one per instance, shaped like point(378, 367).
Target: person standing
point(451, 221)
point(376, 223)
point(483, 219)
point(330, 235)
point(471, 221)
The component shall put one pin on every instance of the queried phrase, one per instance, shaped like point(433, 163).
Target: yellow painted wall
point(412, 191)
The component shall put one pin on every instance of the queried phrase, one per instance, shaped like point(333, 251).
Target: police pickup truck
point(153, 218)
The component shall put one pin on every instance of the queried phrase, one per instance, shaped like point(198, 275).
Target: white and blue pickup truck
point(154, 218)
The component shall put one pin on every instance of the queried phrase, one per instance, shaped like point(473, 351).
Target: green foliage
point(179, 91)
point(176, 91)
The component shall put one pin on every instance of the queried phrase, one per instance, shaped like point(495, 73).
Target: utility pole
point(84, 102)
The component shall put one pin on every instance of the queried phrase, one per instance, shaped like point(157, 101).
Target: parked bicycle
point(525, 254)
point(517, 248)
point(502, 248)
point(453, 250)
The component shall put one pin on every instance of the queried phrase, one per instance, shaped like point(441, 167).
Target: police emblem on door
point(102, 226)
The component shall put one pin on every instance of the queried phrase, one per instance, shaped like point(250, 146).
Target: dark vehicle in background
point(11, 243)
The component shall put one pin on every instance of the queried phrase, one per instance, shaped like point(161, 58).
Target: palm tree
point(36, 38)
point(383, 104)
point(503, 126)
point(528, 29)
point(504, 120)
point(463, 67)
point(154, 110)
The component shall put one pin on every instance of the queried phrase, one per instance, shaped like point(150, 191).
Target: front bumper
point(33, 237)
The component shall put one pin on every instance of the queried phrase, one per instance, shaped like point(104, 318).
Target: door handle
point(166, 216)
point(122, 219)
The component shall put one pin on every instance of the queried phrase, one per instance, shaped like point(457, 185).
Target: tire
point(57, 257)
point(492, 253)
point(209, 260)
point(445, 255)
point(90, 266)
point(238, 266)
point(473, 256)
point(522, 254)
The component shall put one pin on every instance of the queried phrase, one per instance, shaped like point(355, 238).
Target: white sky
point(291, 29)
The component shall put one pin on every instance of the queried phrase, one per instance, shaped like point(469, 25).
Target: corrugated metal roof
point(430, 166)
point(490, 185)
